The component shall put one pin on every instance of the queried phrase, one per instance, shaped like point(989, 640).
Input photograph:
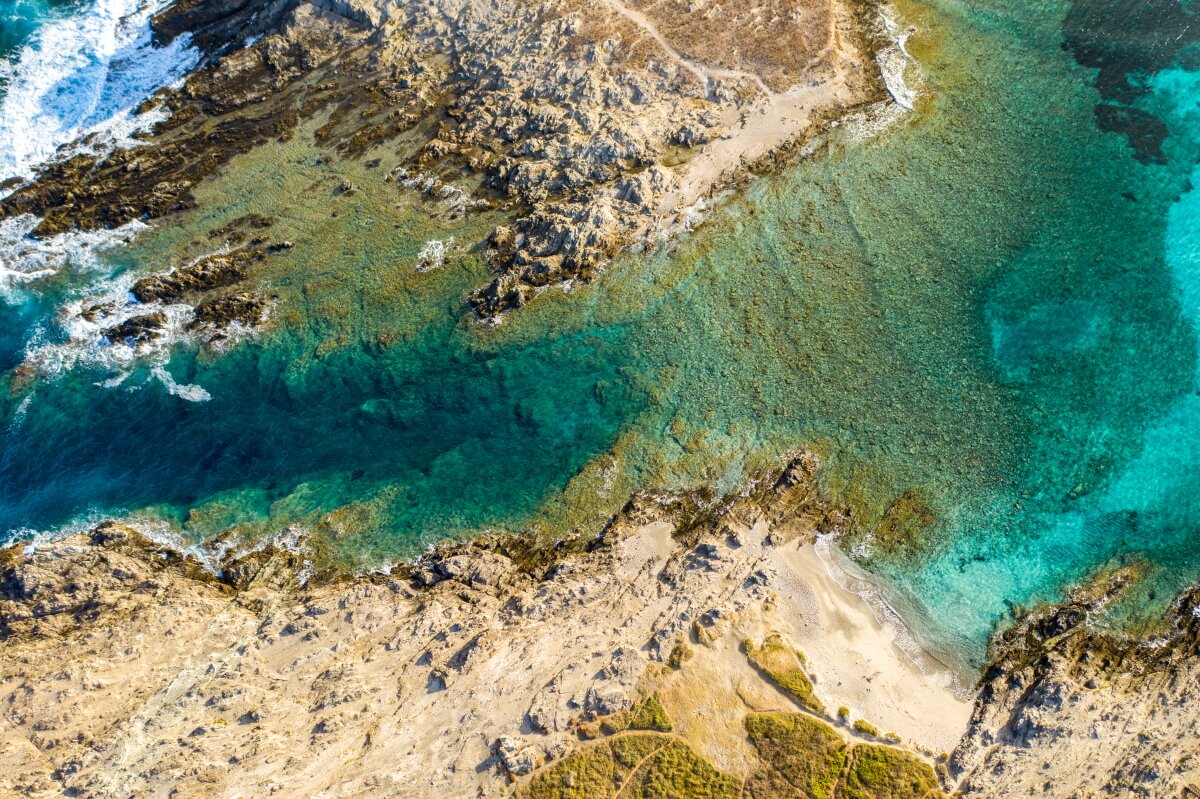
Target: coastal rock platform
point(594, 127)
point(686, 639)
point(129, 669)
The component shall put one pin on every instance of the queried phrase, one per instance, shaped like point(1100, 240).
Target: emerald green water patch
point(975, 316)
point(369, 409)
point(973, 311)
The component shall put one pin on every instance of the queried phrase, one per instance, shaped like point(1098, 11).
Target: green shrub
point(676, 772)
point(645, 715)
point(804, 757)
point(785, 667)
point(866, 728)
point(681, 654)
point(584, 774)
point(650, 715)
point(630, 750)
point(638, 765)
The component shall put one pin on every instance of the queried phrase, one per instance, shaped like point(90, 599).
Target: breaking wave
point(85, 74)
point(24, 260)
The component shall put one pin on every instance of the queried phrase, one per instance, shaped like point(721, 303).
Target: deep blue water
point(19, 19)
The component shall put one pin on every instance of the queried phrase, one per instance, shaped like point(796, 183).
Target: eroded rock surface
point(594, 125)
point(127, 669)
point(1069, 711)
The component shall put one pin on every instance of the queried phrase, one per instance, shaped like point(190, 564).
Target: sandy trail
point(705, 74)
point(773, 121)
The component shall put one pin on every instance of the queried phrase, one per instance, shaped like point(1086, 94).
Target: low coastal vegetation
point(635, 764)
point(800, 757)
point(865, 727)
point(785, 667)
point(646, 715)
point(882, 772)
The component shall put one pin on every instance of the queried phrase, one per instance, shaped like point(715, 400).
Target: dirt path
point(705, 74)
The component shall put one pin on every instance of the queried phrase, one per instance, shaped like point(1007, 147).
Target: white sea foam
point(24, 260)
point(158, 531)
point(694, 215)
point(19, 415)
point(847, 574)
point(76, 337)
point(901, 78)
point(895, 63)
point(872, 121)
point(190, 392)
point(84, 344)
point(433, 254)
point(83, 74)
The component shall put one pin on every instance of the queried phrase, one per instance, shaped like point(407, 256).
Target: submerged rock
point(206, 274)
point(143, 329)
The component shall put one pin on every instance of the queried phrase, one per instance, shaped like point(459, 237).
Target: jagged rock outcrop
point(1067, 710)
point(129, 669)
point(206, 274)
point(594, 126)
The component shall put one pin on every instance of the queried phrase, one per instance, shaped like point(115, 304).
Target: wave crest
point(85, 74)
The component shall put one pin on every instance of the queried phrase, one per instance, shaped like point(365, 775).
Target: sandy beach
point(475, 674)
point(860, 662)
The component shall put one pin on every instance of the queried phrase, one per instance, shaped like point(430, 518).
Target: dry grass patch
point(882, 772)
point(803, 757)
point(632, 766)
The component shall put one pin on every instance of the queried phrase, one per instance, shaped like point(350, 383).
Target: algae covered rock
point(142, 329)
point(206, 274)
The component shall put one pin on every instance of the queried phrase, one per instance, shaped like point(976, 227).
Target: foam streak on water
point(84, 73)
point(24, 260)
point(895, 62)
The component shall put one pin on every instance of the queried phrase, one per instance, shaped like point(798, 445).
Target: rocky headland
point(689, 649)
point(1066, 709)
point(594, 126)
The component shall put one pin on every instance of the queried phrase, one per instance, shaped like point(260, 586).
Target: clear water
point(989, 310)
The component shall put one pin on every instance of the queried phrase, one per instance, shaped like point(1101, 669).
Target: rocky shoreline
point(594, 127)
point(692, 647)
point(682, 632)
point(1065, 709)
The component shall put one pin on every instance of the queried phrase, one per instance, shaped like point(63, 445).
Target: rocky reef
point(595, 127)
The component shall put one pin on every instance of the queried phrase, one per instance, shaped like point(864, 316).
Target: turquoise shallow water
point(983, 319)
point(19, 19)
